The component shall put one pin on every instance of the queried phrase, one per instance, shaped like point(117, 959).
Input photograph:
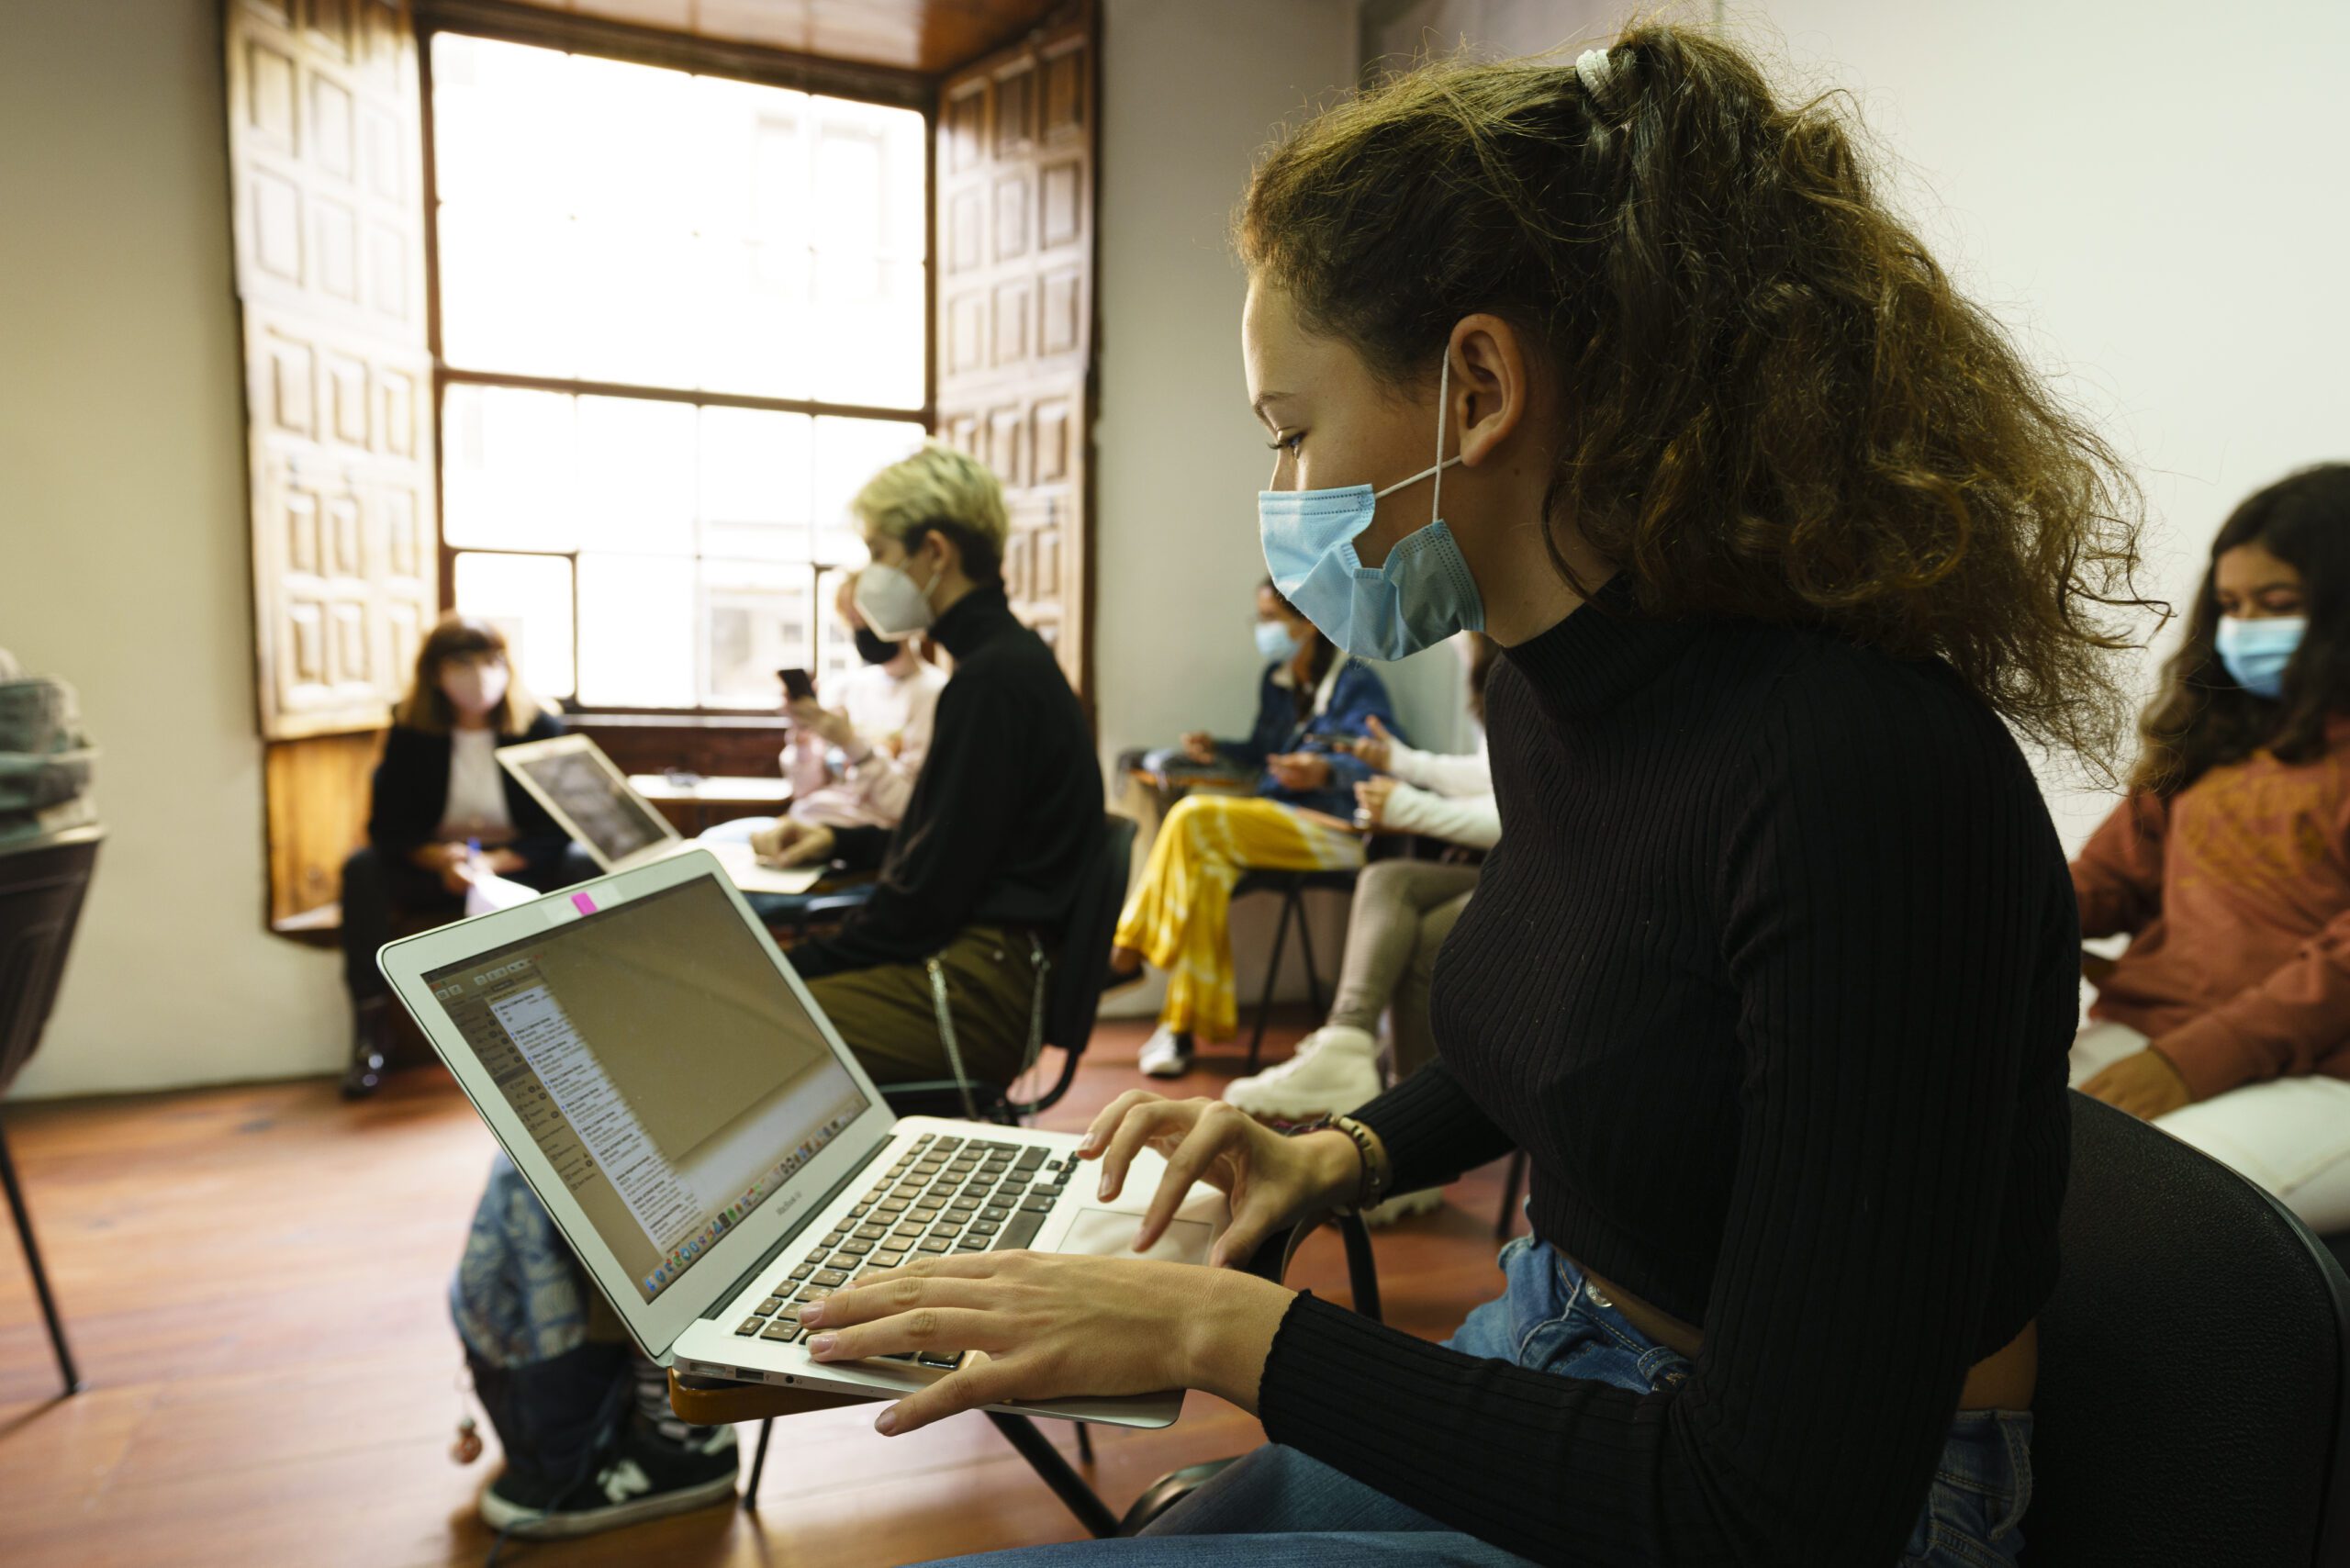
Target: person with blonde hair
point(972, 886)
point(974, 878)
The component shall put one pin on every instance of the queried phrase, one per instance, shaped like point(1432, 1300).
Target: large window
point(682, 319)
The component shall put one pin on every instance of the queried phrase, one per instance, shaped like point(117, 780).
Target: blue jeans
point(1276, 1505)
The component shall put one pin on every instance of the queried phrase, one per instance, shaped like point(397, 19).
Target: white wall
point(123, 562)
point(2151, 194)
point(1190, 90)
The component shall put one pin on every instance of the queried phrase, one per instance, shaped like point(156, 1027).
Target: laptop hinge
point(709, 1315)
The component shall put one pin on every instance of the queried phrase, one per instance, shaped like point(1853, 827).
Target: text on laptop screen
point(665, 1069)
point(613, 820)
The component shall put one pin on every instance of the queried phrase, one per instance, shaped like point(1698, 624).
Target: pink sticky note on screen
point(583, 903)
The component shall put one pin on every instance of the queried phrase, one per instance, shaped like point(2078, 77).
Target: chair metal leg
point(1085, 1443)
point(1306, 946)
point(758, 1467)
point(1272, 977)
point(40, 1276)
point(1047, 1462)
point(1507, 1221)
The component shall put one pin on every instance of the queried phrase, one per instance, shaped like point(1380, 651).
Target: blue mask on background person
point(1276, 643)
point(2256, 651)
point(1420, 596)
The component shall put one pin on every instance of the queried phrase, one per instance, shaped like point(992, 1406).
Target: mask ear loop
point(1443, 399)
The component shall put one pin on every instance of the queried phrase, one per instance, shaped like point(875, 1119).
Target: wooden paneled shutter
point(326, 168)
point(1014, 185)
point(325, 171)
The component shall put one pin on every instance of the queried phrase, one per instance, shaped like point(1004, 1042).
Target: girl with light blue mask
point(2226, 1021)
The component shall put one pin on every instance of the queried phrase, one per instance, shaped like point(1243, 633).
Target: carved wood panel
point(1015, 172)
point(325, 144)
point(326, 148)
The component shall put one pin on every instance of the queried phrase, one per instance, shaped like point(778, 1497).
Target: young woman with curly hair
point(1773, 974)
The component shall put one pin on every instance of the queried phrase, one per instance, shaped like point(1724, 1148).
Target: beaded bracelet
point(1377, 1174)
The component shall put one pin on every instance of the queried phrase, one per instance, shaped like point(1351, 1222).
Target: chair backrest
point(1073, 992)
point(40, 903)
point(2193, 1393)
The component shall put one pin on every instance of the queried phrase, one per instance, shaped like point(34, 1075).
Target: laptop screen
point(615, 823)
point(667, 1072)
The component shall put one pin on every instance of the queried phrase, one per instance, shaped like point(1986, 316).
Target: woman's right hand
point(1377, 749)
point(1200, 746)
point(791, 842)
point(1273, 1181)
point(453, 863)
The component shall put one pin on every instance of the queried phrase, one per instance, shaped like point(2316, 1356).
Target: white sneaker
point(1403, 1205)
point(1335, 1069)
point(1167, 1054)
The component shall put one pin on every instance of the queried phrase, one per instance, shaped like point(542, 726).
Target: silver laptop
point(595, 804)
point(711, 1147)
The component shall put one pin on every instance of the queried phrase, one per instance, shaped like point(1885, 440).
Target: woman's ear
point(1490, 388)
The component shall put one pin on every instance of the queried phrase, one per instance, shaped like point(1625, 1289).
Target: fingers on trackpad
point(1104, 1233)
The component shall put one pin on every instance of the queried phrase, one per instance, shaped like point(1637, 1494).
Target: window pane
point(761, 619)
point(755, 484)
point(629, 131)
point(528, 598)
point(750, 321)
point(867, 332)
point(509, 291)
point(849, 453)
point(507, 459)
point(638, 321)
point(869, 179)
point(498, 113)
point(636, 631)
point(637, 476)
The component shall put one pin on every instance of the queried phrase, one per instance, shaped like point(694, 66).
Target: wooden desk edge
point(707, 1401)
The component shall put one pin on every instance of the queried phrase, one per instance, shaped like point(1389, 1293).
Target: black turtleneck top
point(1772, 976)
point(1006, 806)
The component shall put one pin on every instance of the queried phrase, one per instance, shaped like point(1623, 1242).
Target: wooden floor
point(253, 1281)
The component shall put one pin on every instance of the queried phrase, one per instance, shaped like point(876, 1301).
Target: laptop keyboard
point(945, 1195)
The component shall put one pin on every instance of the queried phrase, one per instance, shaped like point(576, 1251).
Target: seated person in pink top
point(853, 764)
point(2227, 1021)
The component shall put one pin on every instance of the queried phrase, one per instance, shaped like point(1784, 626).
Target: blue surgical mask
point(2256, 651)
point(1276, 643)
point(1420, 596)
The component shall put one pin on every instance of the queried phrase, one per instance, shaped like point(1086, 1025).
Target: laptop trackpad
point(1103, 1233)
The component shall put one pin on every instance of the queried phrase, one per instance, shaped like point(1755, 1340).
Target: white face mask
point(473, 690)
point(891, 604)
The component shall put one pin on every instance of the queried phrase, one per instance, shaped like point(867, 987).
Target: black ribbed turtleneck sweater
point(1772, 976)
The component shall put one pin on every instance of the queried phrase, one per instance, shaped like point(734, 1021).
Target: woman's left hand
point(1054, 1325)
point(2146, 1085)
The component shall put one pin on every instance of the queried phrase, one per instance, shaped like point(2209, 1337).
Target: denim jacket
point(1348, 697)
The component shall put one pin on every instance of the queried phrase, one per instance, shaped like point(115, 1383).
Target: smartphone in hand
point(798, 685)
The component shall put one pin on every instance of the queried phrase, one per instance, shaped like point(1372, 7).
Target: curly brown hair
point(1776, 405)
point(2202, 719)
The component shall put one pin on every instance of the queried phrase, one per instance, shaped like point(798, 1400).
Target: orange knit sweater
point(2235, 894)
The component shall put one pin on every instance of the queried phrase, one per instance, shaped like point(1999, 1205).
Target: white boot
point(1335, 1071)
point(1167, 1054)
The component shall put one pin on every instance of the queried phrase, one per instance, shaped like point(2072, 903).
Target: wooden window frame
point(575, 34)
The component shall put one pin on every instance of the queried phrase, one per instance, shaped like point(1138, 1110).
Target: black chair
point(1292, 887)
point(41, 887)
point(1073, 994)
point(2194, 1369)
